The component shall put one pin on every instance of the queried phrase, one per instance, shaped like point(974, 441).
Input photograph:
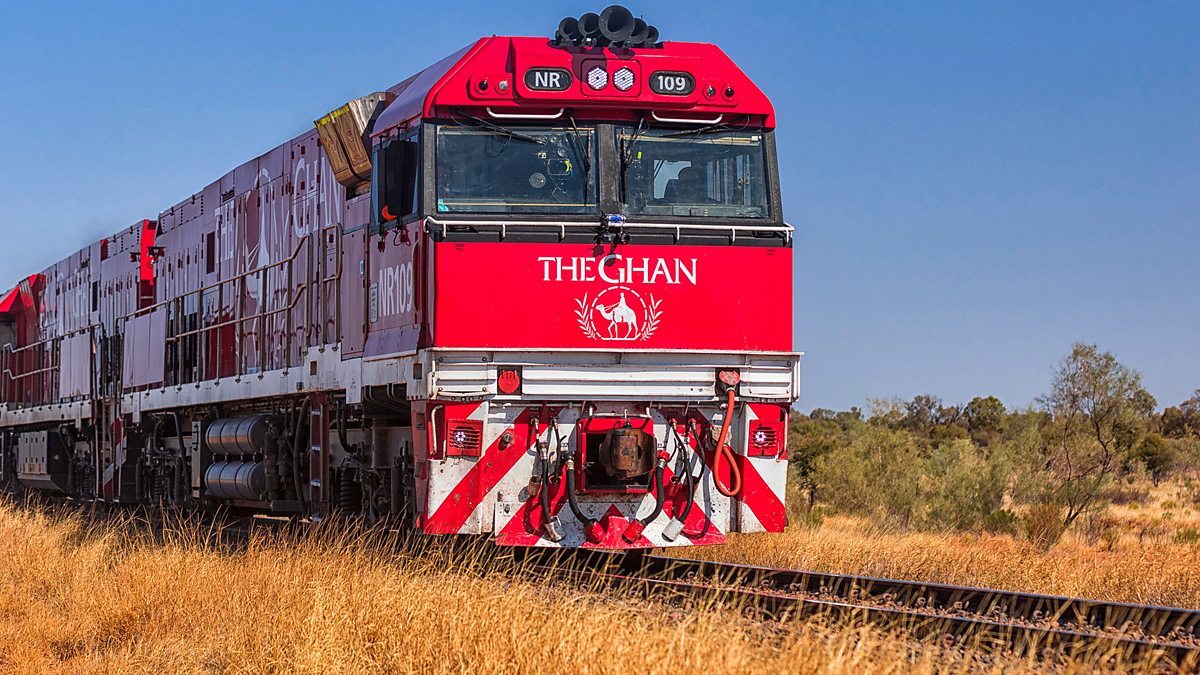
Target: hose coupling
point(633, 532)
point(673, 529)
point(553, 529)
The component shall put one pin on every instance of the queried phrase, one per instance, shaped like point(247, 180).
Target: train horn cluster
point(614, 27)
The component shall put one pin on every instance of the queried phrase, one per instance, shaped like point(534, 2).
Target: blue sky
point(975, 185)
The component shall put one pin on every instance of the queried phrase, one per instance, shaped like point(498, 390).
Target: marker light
point(623, 79)
point(597, 78)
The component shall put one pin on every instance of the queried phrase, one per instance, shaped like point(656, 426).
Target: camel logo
point(618, 313)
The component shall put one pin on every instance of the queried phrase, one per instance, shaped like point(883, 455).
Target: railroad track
point(987, 618)
point(991, 619)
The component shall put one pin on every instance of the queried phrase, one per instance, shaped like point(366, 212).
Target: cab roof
point(524, 77)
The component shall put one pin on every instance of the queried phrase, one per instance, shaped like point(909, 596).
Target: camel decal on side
point(629, 315)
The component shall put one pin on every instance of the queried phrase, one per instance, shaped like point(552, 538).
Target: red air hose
point(725, 454)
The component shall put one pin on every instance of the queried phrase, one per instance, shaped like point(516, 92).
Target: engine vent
point(464, 439)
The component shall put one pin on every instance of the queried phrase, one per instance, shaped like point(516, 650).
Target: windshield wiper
point(511, 133)
point(699, 131)
point(627, 156)
point(583, 149)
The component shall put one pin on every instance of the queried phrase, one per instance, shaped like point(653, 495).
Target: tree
point(1098, 409)
point(985, 419)
point(924, 416)
point(812, 437)
point(1183, 420)
point(1156, 454)
point(922, 413)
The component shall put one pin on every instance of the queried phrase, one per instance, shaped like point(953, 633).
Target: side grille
point(765, 440)
point(464, 439)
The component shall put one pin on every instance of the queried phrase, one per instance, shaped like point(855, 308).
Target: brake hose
point(689, 479)
point(635, 528)
point(549, 522)
point(591, 528)
point(673, 529)
point(724, 453)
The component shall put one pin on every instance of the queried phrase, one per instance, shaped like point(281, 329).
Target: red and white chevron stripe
point(764, 469)
point(498, 492)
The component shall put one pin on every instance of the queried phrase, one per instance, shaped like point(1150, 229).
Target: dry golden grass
point(78, 599)
point(1148, 572)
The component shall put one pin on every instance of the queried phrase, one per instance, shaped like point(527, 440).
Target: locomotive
point(539, 291)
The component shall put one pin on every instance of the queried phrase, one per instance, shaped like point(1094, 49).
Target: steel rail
point(1151, 620)
point(968, 630)
point(1023, 622)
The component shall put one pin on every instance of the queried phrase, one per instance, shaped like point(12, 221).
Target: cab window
point(491, 169)
point(713, 173)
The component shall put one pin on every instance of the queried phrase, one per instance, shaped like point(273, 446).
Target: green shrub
point(809, 519)
point(877, 474)
point(1001, 521)
point(890, 476)
point(962, 488)
point(1190, 536)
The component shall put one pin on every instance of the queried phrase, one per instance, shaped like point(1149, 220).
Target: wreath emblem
point(618, 313)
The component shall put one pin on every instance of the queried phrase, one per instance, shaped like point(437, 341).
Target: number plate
point(672, 83)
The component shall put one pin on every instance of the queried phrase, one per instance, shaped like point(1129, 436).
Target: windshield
point(713, 173)
point(534, 170)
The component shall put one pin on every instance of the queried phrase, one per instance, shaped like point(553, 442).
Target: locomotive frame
point(332, 328)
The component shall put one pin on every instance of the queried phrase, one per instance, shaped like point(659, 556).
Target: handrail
point(786, 230)
point(592, 225)
point(176, 341)
point(229, 322)
point(524, 116)
point(221, 282)
point(684, 120)
point(188, 359)
point(14, 376)
point(78, 331)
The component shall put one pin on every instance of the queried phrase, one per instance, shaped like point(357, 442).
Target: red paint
point(638, 297)
point(145, 258)
point(9, 302)
point(446, 416)
point(525, 528)
point(455, 82)
point(633, 532)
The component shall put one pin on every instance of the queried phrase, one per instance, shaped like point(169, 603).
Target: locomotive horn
point(568, 31)
point(616, 23)
point(589, 26)
point(651, 36)
point(638, 37)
